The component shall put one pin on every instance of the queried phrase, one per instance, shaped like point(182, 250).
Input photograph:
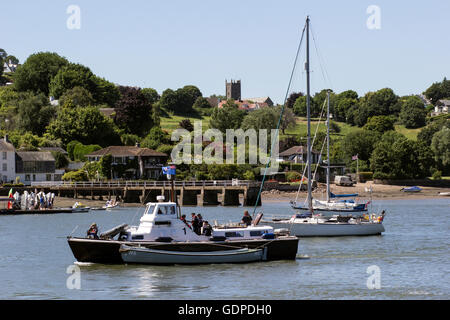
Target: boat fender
point(268, 236)
point(164, 239)
point(218, 238)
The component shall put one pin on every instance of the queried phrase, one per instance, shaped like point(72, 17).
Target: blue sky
point(169, 44)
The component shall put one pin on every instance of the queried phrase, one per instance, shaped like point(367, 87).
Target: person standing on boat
point(92, 233)
point(200, 221)
point(206, 229)
point(195, 223)
point(246, 219)
point(183, 218)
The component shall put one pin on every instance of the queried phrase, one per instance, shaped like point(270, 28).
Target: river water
point(409, 261)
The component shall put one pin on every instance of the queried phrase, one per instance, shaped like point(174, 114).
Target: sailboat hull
point(356, 209)
point(328, 229)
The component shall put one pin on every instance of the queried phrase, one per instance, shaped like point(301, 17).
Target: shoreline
point(379, 192)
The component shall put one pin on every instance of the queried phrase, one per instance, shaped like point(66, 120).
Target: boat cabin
point(161, 222)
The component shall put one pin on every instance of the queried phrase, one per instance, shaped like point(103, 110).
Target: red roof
point(127, 151)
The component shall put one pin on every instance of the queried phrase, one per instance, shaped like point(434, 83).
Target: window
point(233, 234)
point(4, 155)
point(4, 167)
point(150, 209)
point(27, 177)
point(255, 233)
point(48, 177)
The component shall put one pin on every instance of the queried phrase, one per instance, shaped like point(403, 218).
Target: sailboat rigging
point(311, 224)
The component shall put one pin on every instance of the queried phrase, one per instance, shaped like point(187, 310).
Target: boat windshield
point(166, 209)
point(150, 209)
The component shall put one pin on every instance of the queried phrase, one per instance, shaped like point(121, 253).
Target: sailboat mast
point(308, 115)
point(328, 146)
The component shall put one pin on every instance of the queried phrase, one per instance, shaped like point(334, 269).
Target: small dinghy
point(79, 207)
point(111, 205)
point(142, 255)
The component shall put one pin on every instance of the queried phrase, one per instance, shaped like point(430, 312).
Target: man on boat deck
point(206, 229)
point(195, 223)
point(92, 232)
point(246, 219)
point(200, 222)
point(183, 218)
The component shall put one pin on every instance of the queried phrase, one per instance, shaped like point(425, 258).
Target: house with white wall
point(28, 166)
point(7, 161)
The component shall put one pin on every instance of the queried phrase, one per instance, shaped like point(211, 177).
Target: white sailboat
point(333, 202)
point(310, 224)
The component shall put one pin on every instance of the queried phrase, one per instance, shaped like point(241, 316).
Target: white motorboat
point(161, 230)
point(144, 255)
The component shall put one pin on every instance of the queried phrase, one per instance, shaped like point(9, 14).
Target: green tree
point(292, 98)
point(79, 175)
point(343, 102)
point(227, 117)
point(105, 92)
point(412, 113)
point(61, 160)
point(129, 139)
point(133, 112)
point(300, 107)
point(155, 138)
point(426, 133)
point(380, 124)
point(438, 90)
point(440, 144)
point(105, 164)
point(76, 97)
point(382, 102)
point(264, 118)
point(37, 72)
point(70, 149)
point(201, 103)
point(70, 76)
point(87, 125)
point(359, 142)
point(396, 157)
point(80, 151)
point(34, 113)
point(151, 95)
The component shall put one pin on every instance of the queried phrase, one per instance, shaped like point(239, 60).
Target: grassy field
point(171, 123)
point(409, 133)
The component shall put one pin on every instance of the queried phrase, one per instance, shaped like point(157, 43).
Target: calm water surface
point(412, 256)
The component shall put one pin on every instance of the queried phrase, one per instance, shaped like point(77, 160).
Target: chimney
point(6, 138)
point(138, 144)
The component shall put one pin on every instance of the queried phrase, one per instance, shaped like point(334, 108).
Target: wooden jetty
point(190, 193)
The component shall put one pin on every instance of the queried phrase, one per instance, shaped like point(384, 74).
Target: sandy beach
point(379, 192)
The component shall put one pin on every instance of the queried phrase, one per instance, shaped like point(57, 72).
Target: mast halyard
point(308, 115)
point(328, 146)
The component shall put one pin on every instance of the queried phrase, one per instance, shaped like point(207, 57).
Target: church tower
point(233, 90)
